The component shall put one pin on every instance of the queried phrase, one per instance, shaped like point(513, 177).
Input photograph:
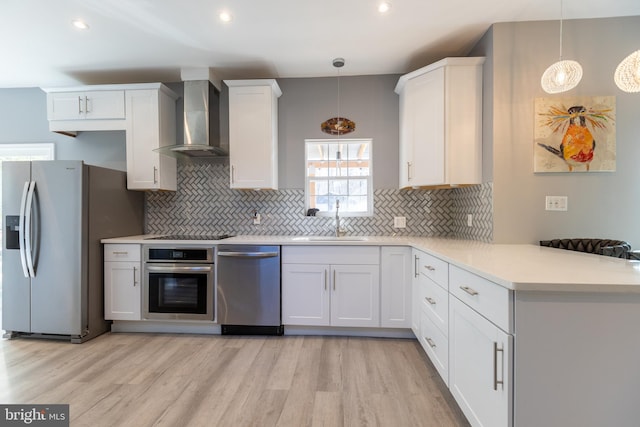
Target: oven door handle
point(249, 254)
point(177, 268)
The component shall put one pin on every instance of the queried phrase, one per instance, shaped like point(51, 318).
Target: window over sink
point(338, 170)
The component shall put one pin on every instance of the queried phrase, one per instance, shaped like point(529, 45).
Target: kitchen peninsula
point(528, 336)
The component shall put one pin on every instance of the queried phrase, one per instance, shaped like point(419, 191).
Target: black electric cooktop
point(192, 237)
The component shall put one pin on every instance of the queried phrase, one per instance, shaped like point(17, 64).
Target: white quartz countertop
point(518, 267)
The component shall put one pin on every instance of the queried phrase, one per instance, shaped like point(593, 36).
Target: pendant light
point(563, 75)
point(627, 75)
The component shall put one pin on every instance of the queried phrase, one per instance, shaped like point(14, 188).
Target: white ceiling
point(151, 40)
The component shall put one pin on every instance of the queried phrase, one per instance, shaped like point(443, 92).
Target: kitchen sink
point(330, 239)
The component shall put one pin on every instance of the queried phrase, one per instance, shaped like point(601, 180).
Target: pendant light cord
point(561, 30)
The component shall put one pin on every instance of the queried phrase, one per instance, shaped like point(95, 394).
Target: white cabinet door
point(96, 105)
point(395, 287)
point(441, 124)
point(480, 370)
point(253, 134)
point(355, 298)
point(426, 118)
point(122, 291)
point(305, 294)
point(150, 125)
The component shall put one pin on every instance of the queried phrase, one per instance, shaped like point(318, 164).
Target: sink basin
point(329, 239)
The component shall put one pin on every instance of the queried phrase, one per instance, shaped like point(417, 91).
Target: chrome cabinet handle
point(430, 268)
point(415, 266)
point(79, 105)
point(120, 252)
point(135, 282)
point(430, 342)
point(86, 104)
point(495, 366)
point(408, 171)
point(430, 300)
point(334, 280)
point(325, 279)
point(233, 174)
point(469, 290)
point(155, 175)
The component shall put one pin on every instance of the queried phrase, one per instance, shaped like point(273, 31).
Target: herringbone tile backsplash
point(204, 204)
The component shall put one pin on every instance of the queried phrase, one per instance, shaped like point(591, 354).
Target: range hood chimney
point(201, 121)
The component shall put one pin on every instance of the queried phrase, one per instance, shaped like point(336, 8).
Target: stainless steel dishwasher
point(248, 296)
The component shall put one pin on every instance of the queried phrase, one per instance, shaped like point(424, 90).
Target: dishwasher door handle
point(249, 254)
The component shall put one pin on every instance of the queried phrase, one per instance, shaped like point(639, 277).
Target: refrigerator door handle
point(21, 230)
point(28, 230)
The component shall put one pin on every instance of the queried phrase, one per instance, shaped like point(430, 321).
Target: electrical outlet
point(469, 220)
point(556, 203)
point(399, 222)
point(256, 219)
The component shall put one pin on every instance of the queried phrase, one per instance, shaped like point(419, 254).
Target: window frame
point(368, 178)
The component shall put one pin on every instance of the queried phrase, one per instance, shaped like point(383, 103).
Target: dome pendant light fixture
point(338, 125)
point(563, 75)
point(627, 75)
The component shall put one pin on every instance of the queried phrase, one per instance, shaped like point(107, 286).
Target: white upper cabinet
point(253, 133)
point(441, 124)
point(145, 111)
point(71, 110)
point(150, 124)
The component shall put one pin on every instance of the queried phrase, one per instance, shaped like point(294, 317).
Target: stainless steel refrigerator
point(54, 215)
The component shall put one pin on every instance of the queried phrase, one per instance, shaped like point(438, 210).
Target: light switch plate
point(399, 222)
point(556, 203)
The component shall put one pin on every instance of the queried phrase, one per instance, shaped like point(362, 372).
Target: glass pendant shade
point(627, 75)
point(561, 76)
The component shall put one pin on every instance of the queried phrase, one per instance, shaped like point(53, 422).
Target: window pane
point(319, 202)
point(359, 168)
point(318, 187)
point(317, 151)
point(339, 187)
point(358, 187)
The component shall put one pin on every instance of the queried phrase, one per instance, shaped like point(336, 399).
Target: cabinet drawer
point(436, 346)
point(434, 268)
point(489, 299)
point(331, 255)
point(121, 252)
point(435, 302)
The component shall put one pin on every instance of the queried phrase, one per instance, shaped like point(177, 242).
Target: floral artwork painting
point(575, 134)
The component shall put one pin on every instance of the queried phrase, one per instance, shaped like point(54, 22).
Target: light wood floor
point(196, 380)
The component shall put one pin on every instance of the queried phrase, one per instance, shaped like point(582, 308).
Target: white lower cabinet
point(480, 371)
point(331, 286)
point(355, 296)
point(464, 323)
point(436, 345)
point(305, 294)
point(122, 285)
point(395, 287)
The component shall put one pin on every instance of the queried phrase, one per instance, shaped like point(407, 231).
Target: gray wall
point(23, 119)
point(367, 100)
point(603, 204)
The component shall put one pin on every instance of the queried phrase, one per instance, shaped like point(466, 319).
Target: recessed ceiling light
point(80, 24)
point(384, 7)
point(225, 16)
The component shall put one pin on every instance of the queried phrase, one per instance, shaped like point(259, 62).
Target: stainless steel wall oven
point(178, 283)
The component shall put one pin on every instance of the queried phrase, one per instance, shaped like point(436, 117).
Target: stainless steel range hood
point(201, 123)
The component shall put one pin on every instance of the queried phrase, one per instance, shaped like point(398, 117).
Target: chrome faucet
point(339, 231)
